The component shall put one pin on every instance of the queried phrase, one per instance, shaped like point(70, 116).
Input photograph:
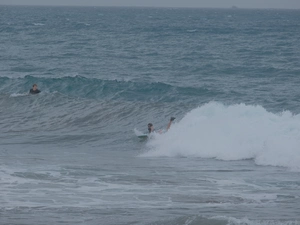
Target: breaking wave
point(234, 132)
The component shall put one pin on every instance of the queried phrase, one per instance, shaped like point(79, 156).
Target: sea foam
point(18, 94)
point(234, 132)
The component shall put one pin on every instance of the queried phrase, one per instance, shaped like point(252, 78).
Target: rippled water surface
point(70, 154)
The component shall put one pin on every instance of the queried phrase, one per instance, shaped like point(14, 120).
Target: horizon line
point(133, 6)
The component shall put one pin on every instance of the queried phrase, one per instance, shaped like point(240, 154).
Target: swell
point(81, 110)
point(57, 119)
point(92, 88)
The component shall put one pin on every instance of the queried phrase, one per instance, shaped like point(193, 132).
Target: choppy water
point(70, 155)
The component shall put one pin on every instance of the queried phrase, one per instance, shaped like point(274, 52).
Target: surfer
point(151, 127)
point(34, 89)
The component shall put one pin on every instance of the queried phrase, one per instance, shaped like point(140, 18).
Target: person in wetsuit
point(151, 127)
point(34, 89)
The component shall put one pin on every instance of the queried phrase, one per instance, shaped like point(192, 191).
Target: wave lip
point(234, 132)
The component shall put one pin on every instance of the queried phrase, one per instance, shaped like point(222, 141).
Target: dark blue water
point(70, 154)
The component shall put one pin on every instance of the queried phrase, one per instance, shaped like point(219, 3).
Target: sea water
point(69, 155)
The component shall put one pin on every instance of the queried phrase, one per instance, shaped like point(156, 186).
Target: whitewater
point(234, 132)
point(71, 154)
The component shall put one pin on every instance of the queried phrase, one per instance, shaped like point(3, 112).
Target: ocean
point(70, 155)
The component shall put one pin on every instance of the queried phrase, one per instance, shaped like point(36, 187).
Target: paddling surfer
point(34, 90)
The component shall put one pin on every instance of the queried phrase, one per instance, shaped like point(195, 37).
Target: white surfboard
point(140, 134)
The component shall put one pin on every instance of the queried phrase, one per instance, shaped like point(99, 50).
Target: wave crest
point(93, 88)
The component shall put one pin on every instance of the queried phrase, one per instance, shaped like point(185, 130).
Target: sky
point(289, 4)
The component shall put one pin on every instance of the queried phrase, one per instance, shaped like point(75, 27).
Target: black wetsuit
point(34, 92)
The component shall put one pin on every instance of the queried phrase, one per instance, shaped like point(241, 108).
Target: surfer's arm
point(170, 122)
point(169, 125)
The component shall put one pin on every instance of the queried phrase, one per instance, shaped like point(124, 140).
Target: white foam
point(243, 221)
point(137, 132)
point(18, 94)
point(233, 132)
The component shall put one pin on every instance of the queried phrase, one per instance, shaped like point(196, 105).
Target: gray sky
point(290, 4)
